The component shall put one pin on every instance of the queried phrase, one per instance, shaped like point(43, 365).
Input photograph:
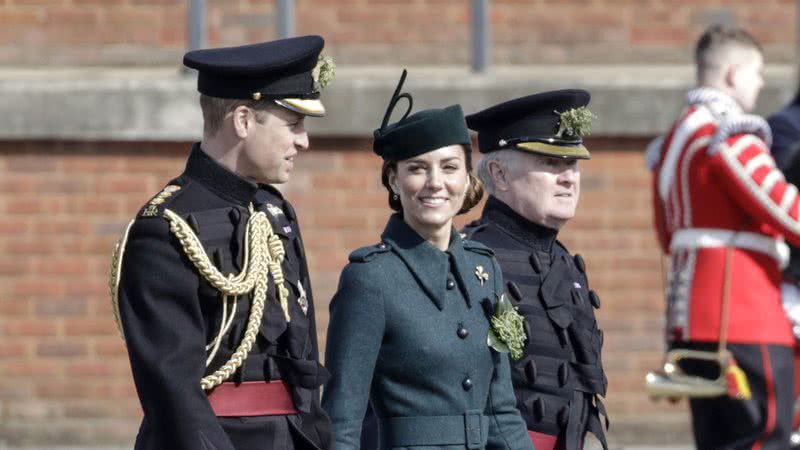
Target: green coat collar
point(429, 265)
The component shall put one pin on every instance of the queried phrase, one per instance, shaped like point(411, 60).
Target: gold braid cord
point(116, 270)
point(264, 253)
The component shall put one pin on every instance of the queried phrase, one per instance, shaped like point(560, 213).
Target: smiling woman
point(410, 322)
point(431, 188)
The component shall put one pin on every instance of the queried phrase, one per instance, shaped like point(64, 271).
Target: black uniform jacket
point(170, 313)
point(785, 126)
point(558, 381)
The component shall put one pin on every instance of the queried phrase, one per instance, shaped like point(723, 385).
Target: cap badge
point(483, 277)
point(152, 206)
point(256, 96)
point(274, 210)
point(303, 299)
point(502, 143)
point(324, 72)
point(575, 122)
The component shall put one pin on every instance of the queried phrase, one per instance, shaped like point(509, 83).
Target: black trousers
point(762, 423)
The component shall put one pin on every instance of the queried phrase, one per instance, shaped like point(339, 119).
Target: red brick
point(110, 348)
point(75, 388)
point(89, 369)
point(81, 17)
point(13, 226)
point(12, 350)
point(62, 266)
point(14, 308)
point(42, 287)
point(102, 326)
point(123, 185)
point(30, 328)
point(15, 206)
point(17, 17)
point(61, 349)
point(32, 369)
point(61, 307)
point(60, 227)
point(93, 287)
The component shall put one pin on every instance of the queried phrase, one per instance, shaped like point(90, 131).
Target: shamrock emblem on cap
point(324, 72)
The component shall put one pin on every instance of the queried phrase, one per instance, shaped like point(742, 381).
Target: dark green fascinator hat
point(421, 132)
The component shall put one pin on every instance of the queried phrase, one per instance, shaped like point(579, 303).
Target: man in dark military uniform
point(210, 282)
point(530, 169)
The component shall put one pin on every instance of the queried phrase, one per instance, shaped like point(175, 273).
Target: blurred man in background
point(722, 209)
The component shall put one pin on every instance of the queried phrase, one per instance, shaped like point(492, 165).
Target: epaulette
point(365, 254)
point(477, 247)
point(740, 124)
point(473, 227)
point(156, 205)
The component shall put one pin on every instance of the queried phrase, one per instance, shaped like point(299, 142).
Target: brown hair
point(716, 38)
point(472, 197)
point(215, 109)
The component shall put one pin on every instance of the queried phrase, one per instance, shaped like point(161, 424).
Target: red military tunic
point(715, 184)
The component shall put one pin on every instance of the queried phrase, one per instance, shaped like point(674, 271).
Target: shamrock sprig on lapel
point(507, 333)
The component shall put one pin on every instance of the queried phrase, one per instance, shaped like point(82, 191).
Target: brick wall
point(64, 371)
point(407, 32)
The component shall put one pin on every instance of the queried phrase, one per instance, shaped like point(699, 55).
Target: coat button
point(451, 283)
point(466, 384)
point(462, 332)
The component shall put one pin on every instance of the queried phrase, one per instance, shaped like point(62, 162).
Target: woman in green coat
point(411, 323)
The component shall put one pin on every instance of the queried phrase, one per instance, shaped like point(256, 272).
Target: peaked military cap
point(420, 132)
point(287, 71)
point(549, 123)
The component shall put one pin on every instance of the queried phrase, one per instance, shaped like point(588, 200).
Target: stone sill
point(160, 104)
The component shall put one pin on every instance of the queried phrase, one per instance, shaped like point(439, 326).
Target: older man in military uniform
point(530, 169)
point(210, 281)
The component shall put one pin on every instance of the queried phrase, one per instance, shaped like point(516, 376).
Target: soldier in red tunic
point(716, 187)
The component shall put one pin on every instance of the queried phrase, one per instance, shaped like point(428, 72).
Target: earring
point(395, 197)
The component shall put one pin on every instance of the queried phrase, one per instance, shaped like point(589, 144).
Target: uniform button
point(235, 215)
point(563, 336)
point(462, 332)
point(451, 284)
point(381, 246)
point(563, 416)
point(466, 384)
point(530, 371)
point(580, 263)
point(563, 374)
point(535, 263)
point(595, 299)
point(577, 298)
point(536, 406)
point(513, 289)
